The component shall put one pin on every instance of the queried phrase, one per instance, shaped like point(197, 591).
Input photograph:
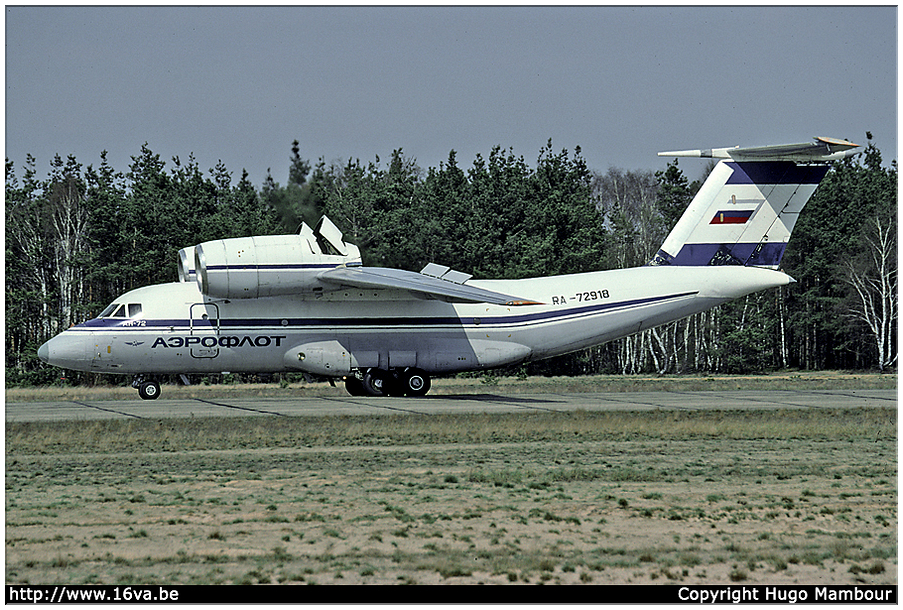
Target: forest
point(83, 235)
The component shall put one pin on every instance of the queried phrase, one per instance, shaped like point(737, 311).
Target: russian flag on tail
point(731, 217)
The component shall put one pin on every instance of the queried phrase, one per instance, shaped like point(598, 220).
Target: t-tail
point(747, 207)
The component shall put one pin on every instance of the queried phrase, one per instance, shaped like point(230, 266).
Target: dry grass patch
point(804, 495)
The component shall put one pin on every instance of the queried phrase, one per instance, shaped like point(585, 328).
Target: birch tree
point(873, 277)
point(68, 220)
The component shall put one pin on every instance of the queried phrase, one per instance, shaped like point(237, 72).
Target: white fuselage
point(179, 330)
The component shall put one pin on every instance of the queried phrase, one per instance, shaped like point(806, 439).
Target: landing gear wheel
point(415, 382)
point(354, 386)
point(376, 382)
point(149, 390)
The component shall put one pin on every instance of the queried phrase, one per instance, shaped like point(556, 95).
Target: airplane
point(305, 303)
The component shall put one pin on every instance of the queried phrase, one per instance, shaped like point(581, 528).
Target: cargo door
point(203, 336)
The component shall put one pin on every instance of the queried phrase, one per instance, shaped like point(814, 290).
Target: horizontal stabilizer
point(420, 284)
point(822, 149)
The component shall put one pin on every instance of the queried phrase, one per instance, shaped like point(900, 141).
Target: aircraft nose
point(67, 350)
point(44, 353)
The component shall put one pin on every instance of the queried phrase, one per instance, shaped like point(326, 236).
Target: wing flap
point(419, 284)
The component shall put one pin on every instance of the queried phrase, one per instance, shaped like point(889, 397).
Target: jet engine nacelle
point(187, 271)
point(270, 265)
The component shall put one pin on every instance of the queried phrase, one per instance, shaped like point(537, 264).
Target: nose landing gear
point(148, 389)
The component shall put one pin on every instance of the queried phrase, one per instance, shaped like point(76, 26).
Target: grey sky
point(238, 84)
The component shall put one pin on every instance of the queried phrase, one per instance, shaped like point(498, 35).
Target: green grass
point(779, 380)
point(197, 434)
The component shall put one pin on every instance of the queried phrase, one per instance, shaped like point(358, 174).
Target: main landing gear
point(397, 382)
point(148, 389)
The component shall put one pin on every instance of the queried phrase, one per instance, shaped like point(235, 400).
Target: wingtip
point(837, 142)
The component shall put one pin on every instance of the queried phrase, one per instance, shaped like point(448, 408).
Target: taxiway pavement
point(464, 403)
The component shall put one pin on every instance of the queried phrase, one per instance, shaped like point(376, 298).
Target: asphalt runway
point(430, 405)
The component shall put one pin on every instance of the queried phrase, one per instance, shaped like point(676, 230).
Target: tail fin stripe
point(775, 172)
point(759, 254)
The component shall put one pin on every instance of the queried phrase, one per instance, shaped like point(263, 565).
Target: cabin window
point(134, 309)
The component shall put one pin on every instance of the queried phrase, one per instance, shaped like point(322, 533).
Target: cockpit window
point(120, 310)
point(109, 310)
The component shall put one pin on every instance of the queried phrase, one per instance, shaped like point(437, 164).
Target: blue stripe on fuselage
point(269, 267)
point(380, 322)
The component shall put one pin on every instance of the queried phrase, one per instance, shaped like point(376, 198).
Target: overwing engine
point(315, 260)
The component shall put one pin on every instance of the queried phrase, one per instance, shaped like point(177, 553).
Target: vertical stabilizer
point(747, 208)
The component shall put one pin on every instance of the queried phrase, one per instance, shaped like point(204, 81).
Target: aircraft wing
point(421, 284)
